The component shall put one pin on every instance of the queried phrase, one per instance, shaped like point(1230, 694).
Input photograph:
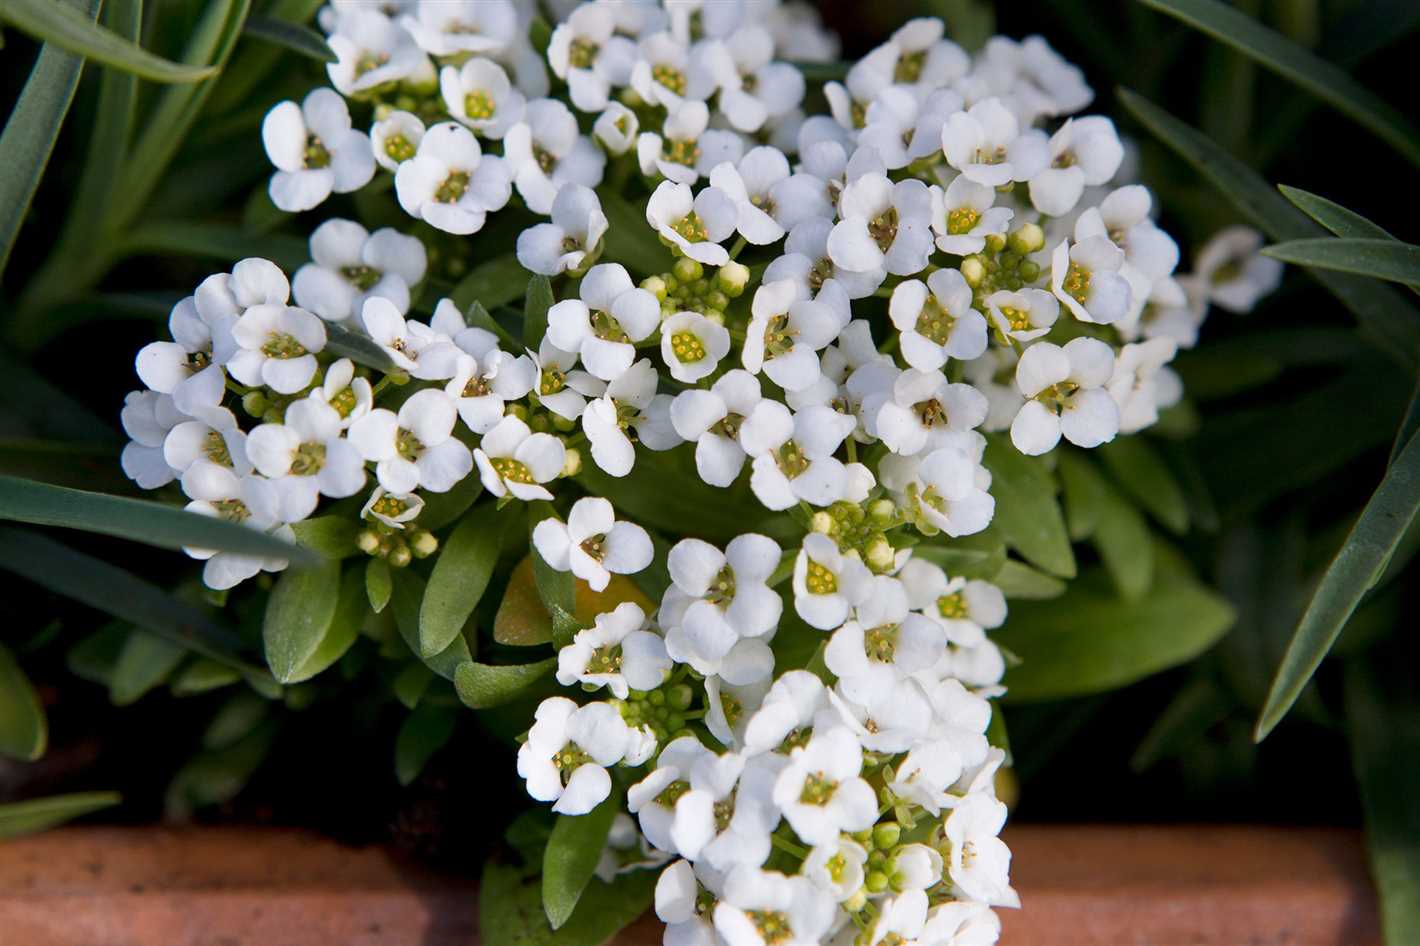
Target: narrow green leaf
point(406, 598)
point(1147, 477)
point(1387, 318)
point(539, 300)
point(33, 127)
point(461, 572)
point(1383, 717)
point(1295, 64)
point(226, 244)
point(40, 814)
point(24, 733)
point(1090, 640)
point(1352, 572)
point(629, 238)
point(442, 509)
point(140, 520)
point(344, 628)
point(358, 348)
point(477, 316)
point(412, 682)
point(1028, 516)
point(66, 27)
point(1114, 525)
point(1018, 580)
point(492, 283)
point(1336, 218)
point(510, 912)
point(145, 662)
point(378, 584)
point(571, 857)
point(423, 733)
point(216, 776)
point(1380, 259)
point(331, 537)
point(973, 556)
point(235, 720)
point(298, 614)
point(481, 686)
point(293, 36)
point(203, 676)
point(114, 591)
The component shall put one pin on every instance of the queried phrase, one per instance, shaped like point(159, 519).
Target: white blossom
point(450, 183)
point(416, 447)
point(571, 241)
point(512, 460)
point(604, 325)
point(1065, 394)
point(616, 652)
point(544, 151)
point(568, 751)
point(349, 264)
point(315, 151)
point(592, 543)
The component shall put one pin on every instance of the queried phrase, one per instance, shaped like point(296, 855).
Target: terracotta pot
point(1103, 886)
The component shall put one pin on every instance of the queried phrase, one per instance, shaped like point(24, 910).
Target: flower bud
point(732, 278)
point(823, 522)
point(886, 835)
point(995, 242)
point(572, 463)
point(680, 696)
point(368, 542)
point(880, 554)
point(423, 543)
point(520, 411)
point(254, 403)
point(1027, 239)
point(540, 424)
point(656, 286)
point(856, 902)
point(973, 270)
point(717, 300)
point(1029, 271)
point(687, 269)
point(876, 882)
point(882, 512)
point(563, 424)
point(399, 556)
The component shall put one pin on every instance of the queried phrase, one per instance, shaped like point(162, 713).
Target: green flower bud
point(540, 424)
point(732, 279)
point(1029, 271)
point(423, 543)
point(823, 522)
point(886, 835)
point(679, 697)
point(368, 542)
point(656, 698)
point(563, 424)
point(882, 512)
point(400, 556)
point(856, 902)
point(995, 242)
point(254, 403)
point(656, 286)
point(688, 270)
point(973, 270)
point(1027, 239)
point(876, 882)
point(880, 554)
point(572, 463)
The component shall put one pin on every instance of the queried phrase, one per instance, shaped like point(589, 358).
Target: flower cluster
point(851, 303)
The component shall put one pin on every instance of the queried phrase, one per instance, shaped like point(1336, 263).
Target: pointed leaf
point(629, 238)
point(145, 662)
point(343, 630)
point(405, 599)
point(481, 686)
point(1145, 475)
point(511, 914)
point(1028, 516)
point(64, 26)
point(1380, 259)
point(1357, 565)
point(539, 300)
point(460, 576)
point(331, 537)
point(24, 733)
point(426, 730)
point(298, 614)
point(293, 36)
point(378, 584)
point(40, 814)
point(571, 857)
point(1336, 218)
point(1018, 580)
point(492, 283)
point(1111, 522)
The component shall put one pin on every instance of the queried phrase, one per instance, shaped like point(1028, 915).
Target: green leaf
point(409, 687)
point(511, 914)
point(972, 556)
point(216, 776)
point(331, 537)
point(1028, 516)
point(1113, 524)
point(477, 316)
point(33, 127)
point(138, 519)
point(378, 584)
point(293, 36)
point(145, 662)
point(1336, 218)
point(460, 576)
point(1387, 318)
point(203, 676)
point(481, 686)
point(423, 733)
point(1273, 51)
point(441, 509)
point(495, 282)
point(114, 591)
point(539, 300)
point(358, 348)
point(1090, 640)
point(226, 244)
point(64, 26)
point(1198, 705)
point(555, 589)
point(1360, 561)
point(1144, 475)
point(40, 814)
point(344, 628)
point(571, 857)
point(629, 238)
point(405, 599)
point(1380, 259)
point(1383, 717)
point(24, 733)
point(235, 720)
point(298, 614)
point(1018, 580)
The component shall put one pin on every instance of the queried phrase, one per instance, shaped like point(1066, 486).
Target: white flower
point(695, 225)
point(544, 152)
point(568, 751)
point(1087, 279)
point(1141, 383)
point(786, 713)
point(888, 721)
point(450, 183)
point(1065, 394)
point(315, 151)
point(395, 138)
point(147, 418)
point(586, 52)
point(604, 325)
point(630, 403)
point(657, 799)
point(479, 95)
point(246, 500)
point(221, 297)
point(820, 792)
point(392, 509)
point(937, 321)
point(924, 406)
point(918, 56)
point(685, 902)
point(458, 27)
point(793, 455)
point(617, 652)
point(666, 72)
point(806, 260)
point(753, 90)
point(712, 419)
point(963, 216)
point(883, 644)
point(786, 332)
point(883, 225)
point(1023, 314)
point(1150, 254)
point(561, 389)
point(947, 488)
point(306, 458)
point(692, 346)
point(719, 610)
point(211, 434)
point(416, 447)
point(350, 264)
point(962, 923)
point(902, 127)
point(351, 397)
point(188, 367)
point(278, 346)
point(513, 459)
point(827, 583)
point(768, 199)
point(482, 386)
point(900, 919)
point(994, 375)
point(925, 773)
point(616, 129)
point(1085, 152)
point(764, 908)
point(413, 346)
point(979, 862)
point(572, 240)
point(1232, 271)
point(727, 816)
point(837, 867)
point(685, 151)
point(592, 543)
point(371, 51)
point(986, 144)
point(965, 608)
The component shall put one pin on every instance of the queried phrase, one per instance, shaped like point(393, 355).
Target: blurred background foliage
point(1293, 414)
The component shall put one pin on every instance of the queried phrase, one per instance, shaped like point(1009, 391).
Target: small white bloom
point(616, 129)
point(1142, 383)
point(767, 908)
point(1232, 271)
point(305, 457)
point(888, 721)
point(754, 91)
point(629, 404)
point(188, 367)
point(828, 584)
point(937, 321)
point(965, 608)
point(450, 183)
point(592, 543)
point(787, 712)
point(211, 434)
point(392, 509)
point(571, 241)
point(416, 447)
point(1085, 152)
point(413, 346)
point(458, 27)
point(586, 51)
point(962, 923)
point(372, 50)
point(1023, 314)
point(685, 902)
point(923, 406)
point(147, 418)
point(837, 867)
point(786, 332)
point(793, 455)
point(350, 264)
point(900, 919)
point(606, 322)
point(712, 419)
point(278, 346)
point(315, 151)
point(696, 225)
point(979, 863)
point(806, 260)
point(666, 72)
point(479, 95)
point(692, 346)
point(482, 386)
point(560, 388)
point(719, 605)
point(964, 215)
point(884, 643)
point(820, 791)
point(351, 397)
point(883, 225)
point(395, 138)
point(513, 459)
point(568, 751)
point(1065, 394)
point(685, 150)
point(769, 200)
point(248, 500)
point(1087, 279)
point(544, 151)
point(986, 144)
point(925, 773)
point(617, 652)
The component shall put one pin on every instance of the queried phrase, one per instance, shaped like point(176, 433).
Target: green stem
point(738, 247)
point(788, 847)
